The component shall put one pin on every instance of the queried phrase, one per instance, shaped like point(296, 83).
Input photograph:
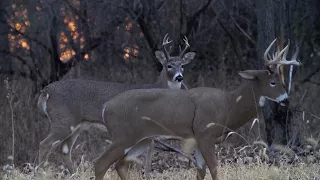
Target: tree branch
point(238, 26)
point(307, 78)
point(300, 111)
point(314, 82)
point(75, 10)
point(14, 30)
point(32, 75)
point(200, 10)
point(191, 20)
point(231, 38)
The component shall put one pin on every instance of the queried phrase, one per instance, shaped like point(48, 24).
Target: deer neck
point(243, 104)
point(165, 83)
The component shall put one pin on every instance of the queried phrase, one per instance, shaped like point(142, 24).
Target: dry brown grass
point(232, 171)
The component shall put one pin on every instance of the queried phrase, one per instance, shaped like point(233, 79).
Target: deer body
point(155, 115)
point(86, 96)
point(187, 115)
point(75, 105)
point(202, 114)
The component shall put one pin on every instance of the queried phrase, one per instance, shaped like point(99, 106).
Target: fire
point(128, 51)
point(77, 37)
point(135, 52)
point(19, 21)
point(126, 56)
point(129, 26)
point(63, 38)
point(72, 26)
point(67, 54)
point(27, 23)
point(24, 44)
point(18, 26)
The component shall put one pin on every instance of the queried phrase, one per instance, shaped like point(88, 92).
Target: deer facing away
point(199, 115)
point(75, 105)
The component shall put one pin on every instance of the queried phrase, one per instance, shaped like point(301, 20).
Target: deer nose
point(179, 78)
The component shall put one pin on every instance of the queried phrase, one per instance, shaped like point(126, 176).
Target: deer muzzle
point(178, 77)
point(282, 99)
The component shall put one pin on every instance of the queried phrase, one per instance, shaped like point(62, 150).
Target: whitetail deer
point(75, 105)
point(199, 115)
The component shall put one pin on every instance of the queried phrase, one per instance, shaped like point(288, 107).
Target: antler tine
point(276, 56)
point(293, 60)
point(266, 53)
point(185, 39)
point(164, 43)
point(296, 53)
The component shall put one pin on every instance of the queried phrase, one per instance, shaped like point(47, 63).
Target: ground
point(242, 163)
point(232, 171)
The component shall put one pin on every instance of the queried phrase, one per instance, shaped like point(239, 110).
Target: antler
point(164, 43)
point(293, 60)
point(185, 39)
point(275, 60)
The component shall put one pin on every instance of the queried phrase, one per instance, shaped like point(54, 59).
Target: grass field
point(232, 171)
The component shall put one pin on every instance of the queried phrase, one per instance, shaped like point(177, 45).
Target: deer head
point(174, 64)
point(269, 81)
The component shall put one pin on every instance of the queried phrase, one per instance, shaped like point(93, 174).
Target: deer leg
point(201, 165)
point(122, 167)
point(66, 149)
point(173, 149)
point(49, 143)
point(132, 154)
point(114, 152)
point(147, 166)
point(45, 147)
point(207, 149)
point(68, 143)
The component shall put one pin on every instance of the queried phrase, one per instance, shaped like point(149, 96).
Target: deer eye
point(272, 84)
point(169, 66)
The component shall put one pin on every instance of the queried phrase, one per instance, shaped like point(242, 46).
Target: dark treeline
point(45, 41)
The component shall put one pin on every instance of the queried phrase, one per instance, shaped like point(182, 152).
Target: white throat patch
point(262, 101)
point(174, 85)
point(280, 98)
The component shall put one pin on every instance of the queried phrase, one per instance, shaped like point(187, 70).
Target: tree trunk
point(5, 63)
point(6, 71)
point(273, 22)
point(175, 20)
point(266, 34)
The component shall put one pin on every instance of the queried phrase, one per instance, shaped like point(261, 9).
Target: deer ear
point(161, 57)
point(188, 57)
point(253, 74)
point(247, 75)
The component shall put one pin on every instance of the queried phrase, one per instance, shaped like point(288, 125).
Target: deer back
point(150, 112)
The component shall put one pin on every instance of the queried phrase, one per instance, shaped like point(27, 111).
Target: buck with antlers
point(199, 115)
point(75, 105)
